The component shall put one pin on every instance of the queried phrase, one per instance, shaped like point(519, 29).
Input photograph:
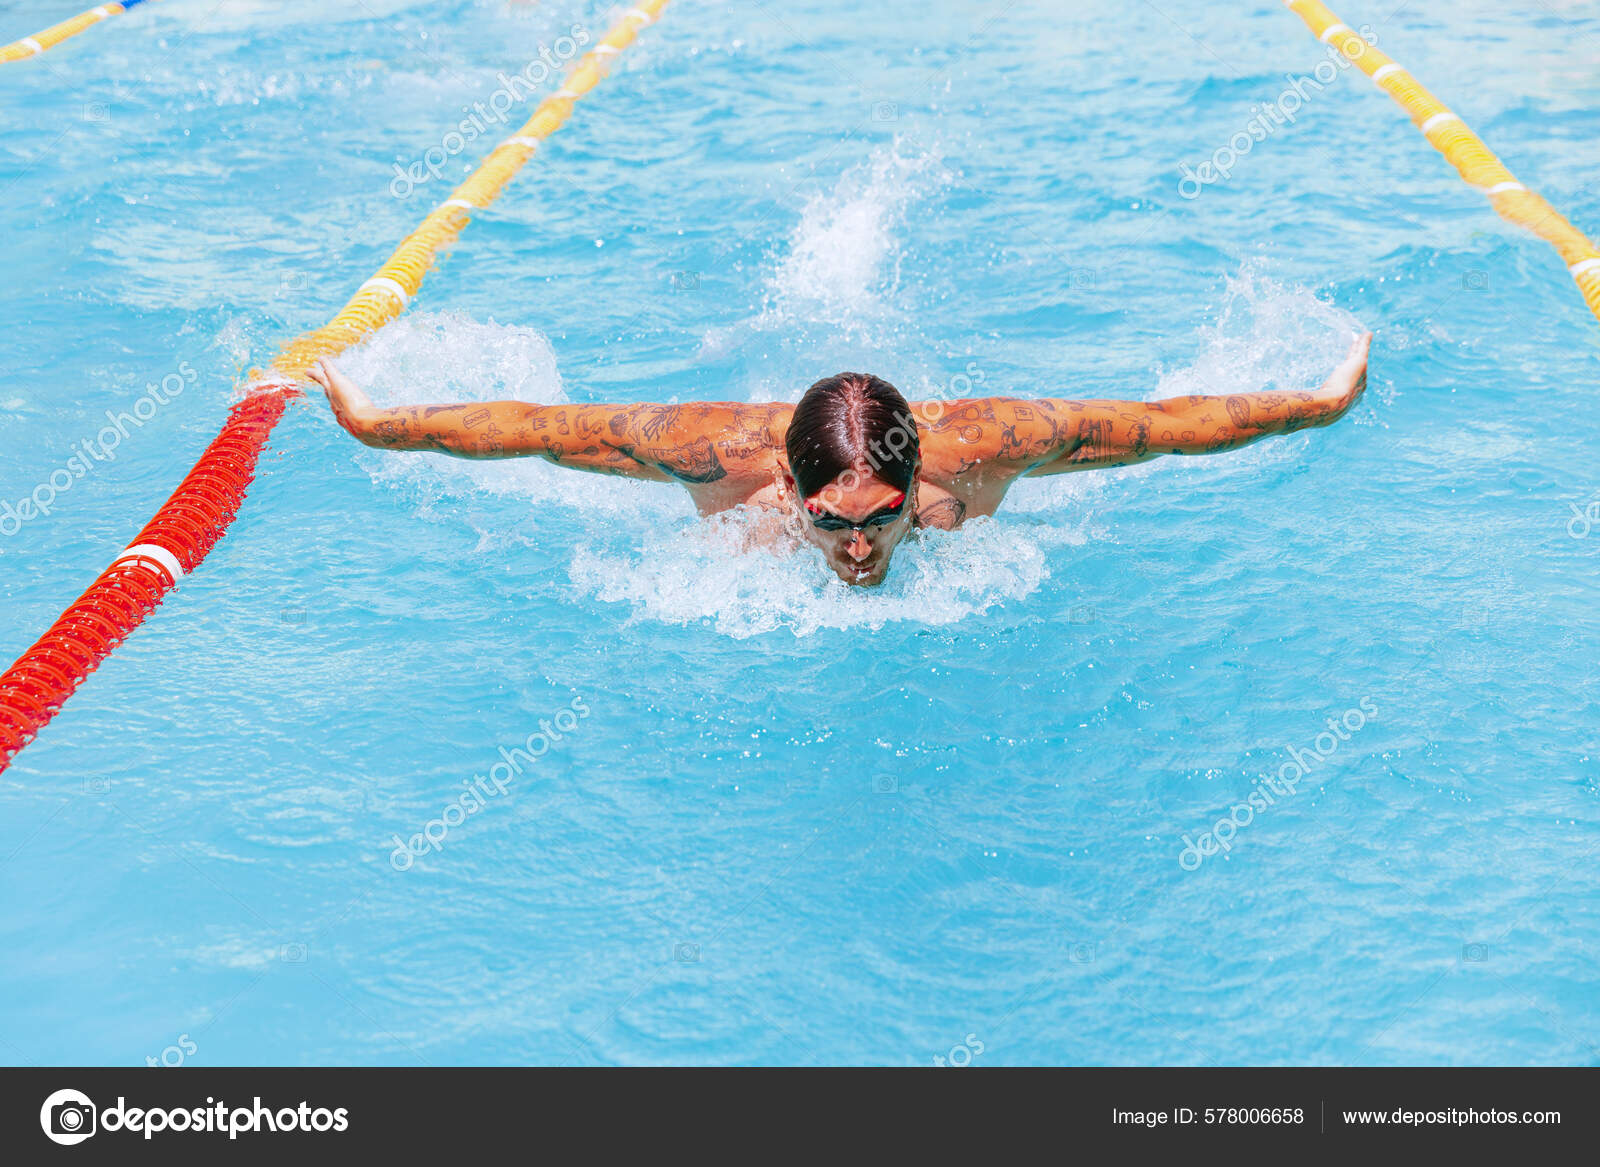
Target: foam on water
point(710, 571)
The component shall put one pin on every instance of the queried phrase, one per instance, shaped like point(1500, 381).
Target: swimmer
point(852, 467)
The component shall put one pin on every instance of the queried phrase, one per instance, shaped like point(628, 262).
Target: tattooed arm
point(697, 444)
point(1001, 438)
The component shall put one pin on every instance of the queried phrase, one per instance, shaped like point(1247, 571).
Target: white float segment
point(156, 554)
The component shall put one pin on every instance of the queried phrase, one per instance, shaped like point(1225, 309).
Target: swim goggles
point(826, 521)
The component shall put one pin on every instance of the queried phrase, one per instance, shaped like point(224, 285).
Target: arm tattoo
point(656, 436)
point(1139, 445)
point(1023, 436)
point(696, 444)
point(944, 515)
point(693, 462)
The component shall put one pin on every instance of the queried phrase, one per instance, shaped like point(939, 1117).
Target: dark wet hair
point(849, 420)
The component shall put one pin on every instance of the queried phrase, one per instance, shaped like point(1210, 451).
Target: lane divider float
point(205, 503)
point(32, 46)
point(1464, 150)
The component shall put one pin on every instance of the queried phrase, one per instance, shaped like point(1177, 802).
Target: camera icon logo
point(885, 784)
point(685, 953)
point(1475, 281)
point(1474, 953)
point(685, 281)
point(68, 1117)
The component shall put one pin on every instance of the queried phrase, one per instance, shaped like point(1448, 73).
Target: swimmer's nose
point(858, 548)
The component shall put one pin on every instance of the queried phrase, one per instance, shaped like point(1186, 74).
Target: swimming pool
point(944, 821)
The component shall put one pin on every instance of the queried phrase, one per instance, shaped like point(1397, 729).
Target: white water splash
point(1267, 336)
point(709, 572)
point(843, 259)
point(835, 282)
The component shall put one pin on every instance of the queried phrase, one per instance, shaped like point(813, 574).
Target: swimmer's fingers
point(320, 374)
point(1360, 348)
point(1349, 380)
point(351, 407)
point(1359, 352)
point(341, 389)
point(1355, 357)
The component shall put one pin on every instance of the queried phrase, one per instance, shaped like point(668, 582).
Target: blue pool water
point(795, 825)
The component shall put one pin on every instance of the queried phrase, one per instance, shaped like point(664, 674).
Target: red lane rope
point(187, 526)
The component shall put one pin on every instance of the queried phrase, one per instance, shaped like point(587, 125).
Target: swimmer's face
point(859, 557)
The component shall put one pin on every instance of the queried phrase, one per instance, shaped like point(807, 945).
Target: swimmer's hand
point(352, 408)
point(1345, 384)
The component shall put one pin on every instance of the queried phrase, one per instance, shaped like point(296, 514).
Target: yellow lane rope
point(386, 294)
point(32, 46)
point(1449, 135)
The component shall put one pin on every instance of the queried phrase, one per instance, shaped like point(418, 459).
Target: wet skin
point(730, 454)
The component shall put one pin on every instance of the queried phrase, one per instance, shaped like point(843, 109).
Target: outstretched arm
point(1015, 436)
point(692, 444)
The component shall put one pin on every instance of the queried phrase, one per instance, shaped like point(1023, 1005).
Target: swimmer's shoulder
point(968, 454)
point(727, 438)
point(748, 438)
point(739, 445)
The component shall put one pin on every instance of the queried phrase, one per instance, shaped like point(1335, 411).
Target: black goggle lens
point(823, 521)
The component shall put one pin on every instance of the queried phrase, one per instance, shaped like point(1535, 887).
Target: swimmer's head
point(852, 474)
